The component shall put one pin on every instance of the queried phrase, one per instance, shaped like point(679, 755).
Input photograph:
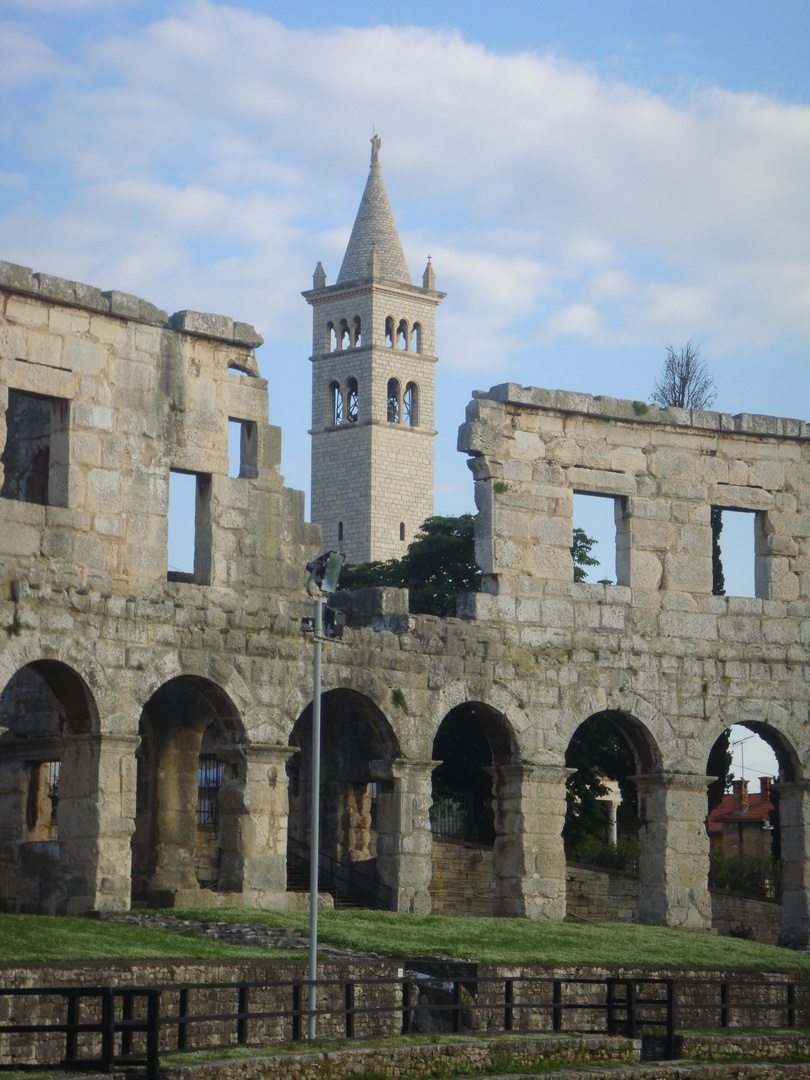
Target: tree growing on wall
point(685, 381)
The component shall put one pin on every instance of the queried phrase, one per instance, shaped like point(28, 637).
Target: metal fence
point(90, 1029)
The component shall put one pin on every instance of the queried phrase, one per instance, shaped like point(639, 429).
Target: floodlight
point(325, 571)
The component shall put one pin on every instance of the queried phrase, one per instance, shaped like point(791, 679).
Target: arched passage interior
point(472, 742)
point(357, 742)
point(191, 748)
point(756, 827)
point(46, 785)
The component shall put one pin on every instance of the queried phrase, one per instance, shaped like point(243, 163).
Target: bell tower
point(373, 345)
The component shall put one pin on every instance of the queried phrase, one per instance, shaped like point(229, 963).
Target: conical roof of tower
point(374, 231)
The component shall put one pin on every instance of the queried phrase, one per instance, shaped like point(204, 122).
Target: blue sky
point(593, 180)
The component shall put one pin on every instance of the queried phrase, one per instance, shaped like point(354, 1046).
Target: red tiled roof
point(759, 808)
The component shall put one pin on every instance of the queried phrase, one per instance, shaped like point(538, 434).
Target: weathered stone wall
point(141, 666)
point(762, 917)
point(601, 895)
point(462, 881)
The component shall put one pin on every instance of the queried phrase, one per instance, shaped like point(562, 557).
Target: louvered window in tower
point(337, 403)
point(409, 405)
point(352, 401)
point(393, 401)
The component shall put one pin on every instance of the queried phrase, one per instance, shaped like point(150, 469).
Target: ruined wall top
point(21, 279)
point(665, 470)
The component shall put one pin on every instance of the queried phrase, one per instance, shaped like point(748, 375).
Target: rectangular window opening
point(242, 449)
point(735, 538)
point(35, 455)
point(599, 517)
point(189, 527)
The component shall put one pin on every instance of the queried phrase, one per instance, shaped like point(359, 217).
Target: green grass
point(40, 937)
point(519, 941)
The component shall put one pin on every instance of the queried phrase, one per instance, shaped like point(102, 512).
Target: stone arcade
point(124, 684)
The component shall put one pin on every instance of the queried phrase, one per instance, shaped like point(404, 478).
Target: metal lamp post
point(323, 578)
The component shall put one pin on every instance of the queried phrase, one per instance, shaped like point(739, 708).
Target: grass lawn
point(517, 941)
point(40, 937)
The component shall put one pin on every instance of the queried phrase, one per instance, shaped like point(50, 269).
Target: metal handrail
point(349, 876)
point(524, 1004)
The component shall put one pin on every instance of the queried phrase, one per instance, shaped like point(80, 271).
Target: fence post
point(71, 1020)
point(508, 1000)
point(670, 1047)
point(152, 1034)
point(407, 1011)
point(724, 1005)
point(107, 1028)
point(126, 1016)
point(791, 1005)
point(296, 1012)
point(632, 1010)
point(556, 1005)
point(610, 1010)
point(456, 1007)
point(182, 1012)
point(349, 1001)
point(241, 1018)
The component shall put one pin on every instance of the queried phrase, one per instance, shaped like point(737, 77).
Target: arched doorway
point(602, 819)
point(615, 832)
point(192, 747)
point(756, 829)
point(358, 746)
point(474, 745)
point(48, 783)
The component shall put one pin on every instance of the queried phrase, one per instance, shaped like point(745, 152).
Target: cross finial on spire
point(376, 143)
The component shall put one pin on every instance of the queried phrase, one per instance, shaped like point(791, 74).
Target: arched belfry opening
point(191, 751)
point(48, 788)
point(470, 840)
point(358, 747)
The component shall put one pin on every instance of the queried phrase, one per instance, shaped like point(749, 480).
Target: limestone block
point(26, 312)
point(688, 573)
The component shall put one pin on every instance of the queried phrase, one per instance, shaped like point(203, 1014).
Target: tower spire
point(374, 230)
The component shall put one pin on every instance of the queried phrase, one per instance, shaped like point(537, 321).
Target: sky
point(593, 180)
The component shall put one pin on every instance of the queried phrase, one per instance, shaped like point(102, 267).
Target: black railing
point(347, 880)
point(106, 1027)
point(452, 814)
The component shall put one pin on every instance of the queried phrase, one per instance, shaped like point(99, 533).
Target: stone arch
point(192, 741)
point(68, 656)
point(389, 331)
point(336, 411)
point(403, 335)
point(344, 336)
point(330, 343)
point(773, 846)
point(357, 332)
point(358, 748)
point(48, 788)
point(410, 405)
point(206, 668)
point(416, 338)
point(352, 400)
point(393, 398)
point(475, 788)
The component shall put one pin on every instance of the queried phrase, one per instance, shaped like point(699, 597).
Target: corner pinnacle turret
point(374, 234)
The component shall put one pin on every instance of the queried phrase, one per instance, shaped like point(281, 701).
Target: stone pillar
point(794, 823)
point(253, 827)
point(404, 841)
point(673, 850)
point(96, 819)
point(529, 858)
point(174, 881)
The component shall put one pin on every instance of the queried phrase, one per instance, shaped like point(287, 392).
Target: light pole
point(323, 578)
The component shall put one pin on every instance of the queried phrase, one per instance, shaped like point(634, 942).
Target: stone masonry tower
point(373, 345)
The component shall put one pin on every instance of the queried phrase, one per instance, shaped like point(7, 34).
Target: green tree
point(597, 751)
point(437, 568)
point(440, 565)
point(581, 553)
point(685, 381)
